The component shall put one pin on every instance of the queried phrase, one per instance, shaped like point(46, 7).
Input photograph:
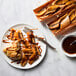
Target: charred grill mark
point(12, 34)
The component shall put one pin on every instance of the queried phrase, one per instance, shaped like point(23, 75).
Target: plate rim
point(4, 56)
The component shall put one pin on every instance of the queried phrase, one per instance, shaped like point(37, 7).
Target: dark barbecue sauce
point(69, 44)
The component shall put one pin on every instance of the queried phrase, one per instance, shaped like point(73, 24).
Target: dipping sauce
point(69, 44)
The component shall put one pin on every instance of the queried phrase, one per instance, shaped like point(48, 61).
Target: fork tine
point(26, 29)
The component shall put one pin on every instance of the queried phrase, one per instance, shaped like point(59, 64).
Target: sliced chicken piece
point(34, 53)
point(72, 14)
point(59, 2)
point(74, 20)
point(11, 54)
point(54, 2)
point(50, 12)
point(25, 50)
point(30, 61)
point(5, 50)
point(65, 30)
point(41, 12)
point(12, 33)
point(52, 7)
point(38, 51)
point(24, 60)
point(18, 35)
point(65, 22)
point(23, 63)
point(54, 25)
point(70, 2)
point(64, 1)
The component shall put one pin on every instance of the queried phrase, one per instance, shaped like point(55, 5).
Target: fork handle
point(44, 42)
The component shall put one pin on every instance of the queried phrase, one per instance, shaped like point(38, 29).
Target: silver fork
point(26, 29)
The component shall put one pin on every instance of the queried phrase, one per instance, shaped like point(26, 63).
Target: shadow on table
point(72, 58)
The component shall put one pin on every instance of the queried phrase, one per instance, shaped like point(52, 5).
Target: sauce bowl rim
point(66, 53)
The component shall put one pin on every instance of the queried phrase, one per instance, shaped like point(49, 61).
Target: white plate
point(27, 66)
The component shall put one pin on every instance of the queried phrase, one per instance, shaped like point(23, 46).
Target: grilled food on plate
point(22, 49)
